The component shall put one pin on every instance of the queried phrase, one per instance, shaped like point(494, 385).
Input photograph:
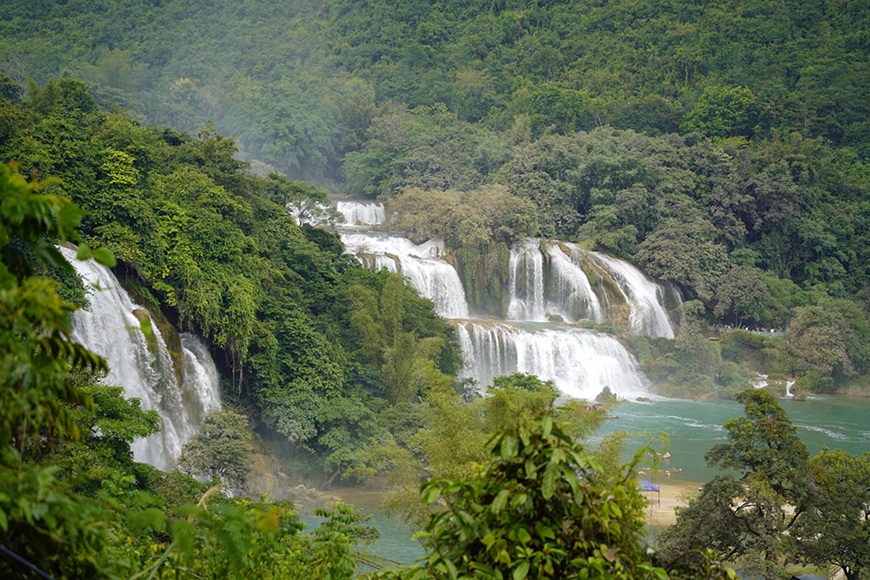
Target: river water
point(692, 428)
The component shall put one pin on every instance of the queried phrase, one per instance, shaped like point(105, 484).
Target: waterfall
point(527, 282)
point(111, 327)
point(547, 282)
point(644, 297)
point(357, 213)
point(573, 298)
point(579, 362)
point(423, 265)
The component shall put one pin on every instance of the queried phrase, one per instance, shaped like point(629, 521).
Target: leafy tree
point(102, 461)
point(221, 449)
point(40, 520)
point(750, 518)
point(828, 343)
point(541, 507)
point(741, 295)
point(684, 251)
point(723, 112)
point(835, 531)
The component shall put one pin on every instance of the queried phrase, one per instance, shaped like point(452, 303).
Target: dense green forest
point(299, 82)
point(74, 504)
point(311, 343)
point(721, 147)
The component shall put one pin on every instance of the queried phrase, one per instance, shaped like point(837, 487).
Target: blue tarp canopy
point(646, 485)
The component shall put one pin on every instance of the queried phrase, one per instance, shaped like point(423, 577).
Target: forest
point(720, 147)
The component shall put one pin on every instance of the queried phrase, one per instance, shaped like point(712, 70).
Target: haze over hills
point(299, 82)
point(600, 197)
point(721, 147)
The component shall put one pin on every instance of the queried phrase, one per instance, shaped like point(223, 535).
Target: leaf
point(508, 448)
point(105, 257)
point(524, 536)
point(531, 469)
point(548, 426)
point(83, 252)
point(521, 571)
point(499, 501)
point(432, 494)
point(548, 487)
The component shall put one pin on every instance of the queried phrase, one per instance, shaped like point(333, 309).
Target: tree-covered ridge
point(310, 341)
point(299, 82)
point(720, 147)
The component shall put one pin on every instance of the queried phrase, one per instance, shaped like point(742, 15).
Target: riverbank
point(661, 506)
point(660, 510)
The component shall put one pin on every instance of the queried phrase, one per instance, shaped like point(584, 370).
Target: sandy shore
point(659, 512)
point(660, 506)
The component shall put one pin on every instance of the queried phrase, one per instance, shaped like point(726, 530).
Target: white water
point(547, 283)
point(361, 213)
point(110, 328)
point(527, 282)
point(644, 297)
point(422, 265)
point(571, 285)
point(580, 362)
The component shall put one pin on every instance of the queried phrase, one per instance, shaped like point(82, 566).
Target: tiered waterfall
point(182, 388)
point(553, 286)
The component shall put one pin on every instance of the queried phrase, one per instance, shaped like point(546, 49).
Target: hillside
point(721, 147)
point(299, 82)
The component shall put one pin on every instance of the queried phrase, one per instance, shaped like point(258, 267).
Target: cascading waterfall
point(574, 298)
point(579, 362)
point(548, 281)
point(643, 296)
point(111, 327)
point(422, 264)
point(527, 282)
point(361, 213)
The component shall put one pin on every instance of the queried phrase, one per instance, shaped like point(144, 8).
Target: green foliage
point(541, 507)
point(101, 461)
point(779, 505)
point(36, 349)
point(217, 250)
point(240, 538)
point(475, 218)
point(40, 520)
point(836, 531)
point(456, 435)
point(828, 342)
point(220, 450)
point(723, 112)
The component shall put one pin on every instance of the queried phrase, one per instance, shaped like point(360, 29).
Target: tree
point(684, 250)
point(40, 520)
point(723, 112)
point(221, 449)
point(836, 529)
point(741, 295)
point(540, 508)
point(102, 459)
point(751, 517)
point(829, 342)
